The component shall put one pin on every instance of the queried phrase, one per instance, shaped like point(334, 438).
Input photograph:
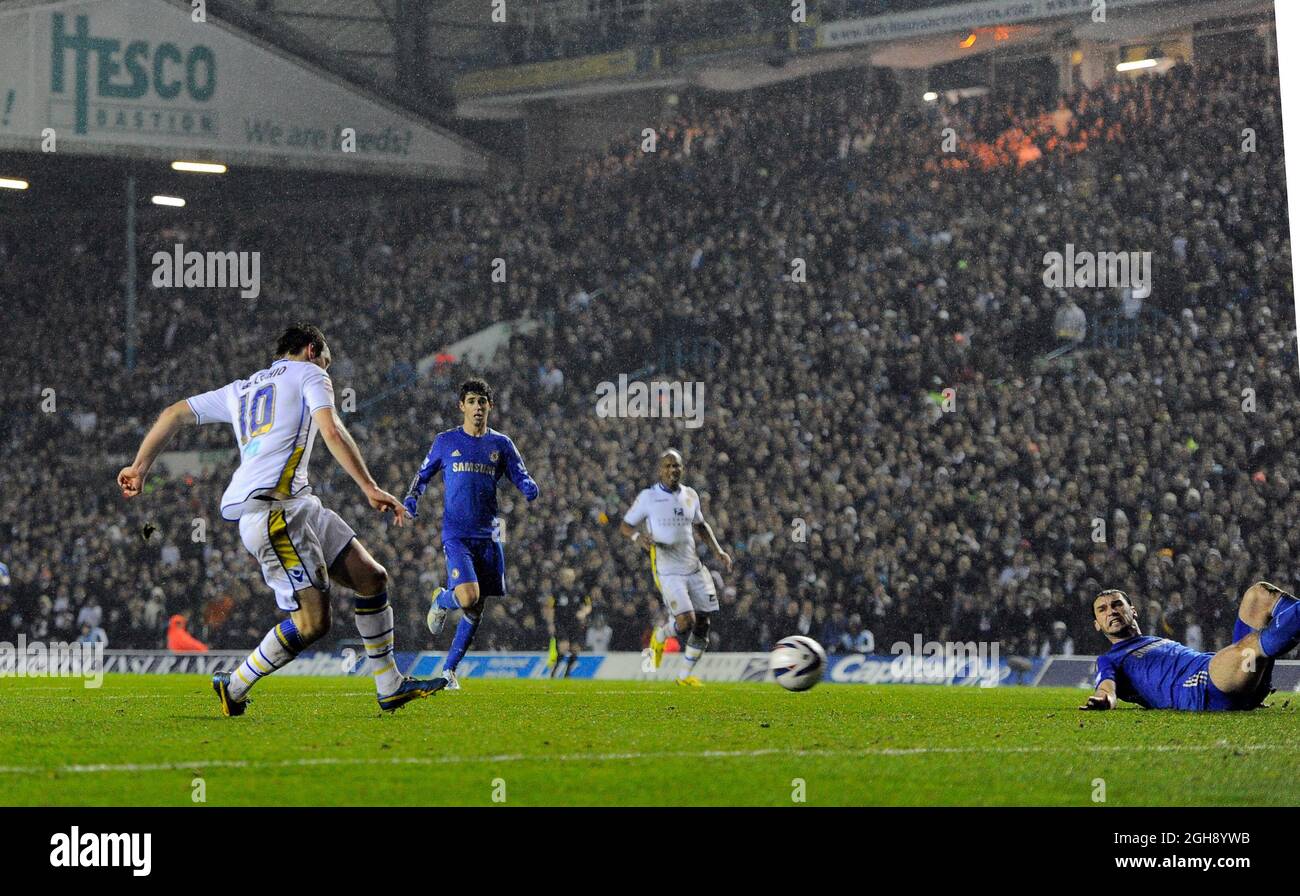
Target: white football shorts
point(295, 541)
point(684, 593)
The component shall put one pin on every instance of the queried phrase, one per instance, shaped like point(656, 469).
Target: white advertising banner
point(141, 77)
point(962, 16)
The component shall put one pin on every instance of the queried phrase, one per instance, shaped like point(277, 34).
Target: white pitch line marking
point(614, 757)
point(97, 695)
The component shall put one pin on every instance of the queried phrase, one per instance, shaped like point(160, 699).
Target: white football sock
point(695, 648)
point(374, 617)
point(276, 651)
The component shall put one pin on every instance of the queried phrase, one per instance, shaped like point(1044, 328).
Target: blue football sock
point(465, 630)
point(1282, 633)
point(446, 600)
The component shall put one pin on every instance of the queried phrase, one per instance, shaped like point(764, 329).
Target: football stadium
point(713, 403)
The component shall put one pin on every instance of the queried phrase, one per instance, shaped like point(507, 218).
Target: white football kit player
point(283, 525)
point(680, 576)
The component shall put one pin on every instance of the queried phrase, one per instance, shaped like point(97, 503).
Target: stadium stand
point(823, 399)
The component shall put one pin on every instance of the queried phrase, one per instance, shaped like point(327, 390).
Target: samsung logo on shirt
point(1145, 649)
point(467, 467)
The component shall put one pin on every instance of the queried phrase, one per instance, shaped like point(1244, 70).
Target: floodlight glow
point(199, 167)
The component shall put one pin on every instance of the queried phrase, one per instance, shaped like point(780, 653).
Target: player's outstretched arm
point(519, 473)
point(636, 536)
point(131, 479)
point(345, 451)
point(632, 520)
point(432, 464)
point(704, 529)
point(1103, 698)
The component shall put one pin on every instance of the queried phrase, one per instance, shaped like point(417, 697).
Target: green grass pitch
point(144, 740)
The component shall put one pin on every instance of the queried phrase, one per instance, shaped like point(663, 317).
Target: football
point(797, 662)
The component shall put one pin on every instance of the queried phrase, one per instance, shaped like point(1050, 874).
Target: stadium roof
point(298, 95)
point(463, 35)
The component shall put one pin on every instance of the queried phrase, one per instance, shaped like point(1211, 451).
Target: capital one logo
point(104, 73)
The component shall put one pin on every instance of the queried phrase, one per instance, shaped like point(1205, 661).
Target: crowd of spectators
point(884, 451)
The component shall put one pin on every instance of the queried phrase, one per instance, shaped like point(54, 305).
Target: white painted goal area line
point(312, 762)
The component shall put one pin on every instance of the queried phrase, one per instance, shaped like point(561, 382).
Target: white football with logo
point(798, 662)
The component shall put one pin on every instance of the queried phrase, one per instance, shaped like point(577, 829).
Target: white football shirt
point(671, 517)
point(270, 413)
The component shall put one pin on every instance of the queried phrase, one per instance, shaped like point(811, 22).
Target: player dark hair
point(298, 337)
point(1127, 600)
point(478, 387)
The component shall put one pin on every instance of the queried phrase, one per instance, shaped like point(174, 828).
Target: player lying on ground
point(673, 516)
point(302, 547)
point(472, 459)
point(1156, 673)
